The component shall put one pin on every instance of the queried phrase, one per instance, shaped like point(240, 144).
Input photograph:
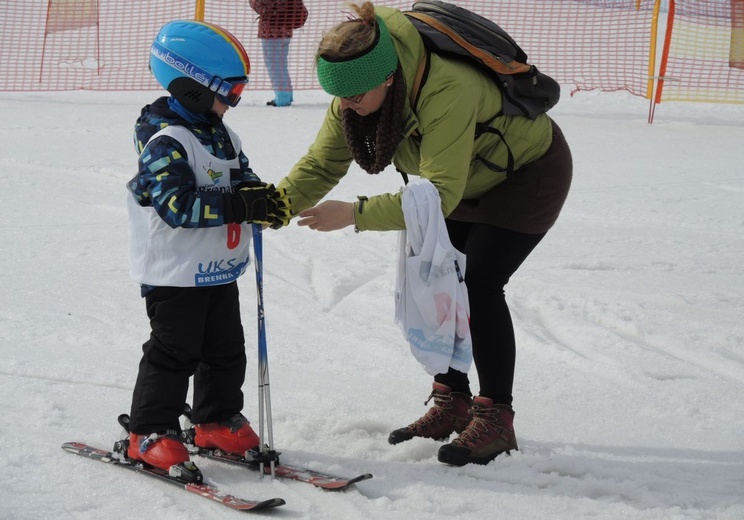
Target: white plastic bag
point(431, 306)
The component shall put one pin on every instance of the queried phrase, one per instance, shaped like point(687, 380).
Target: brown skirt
point(531, 199)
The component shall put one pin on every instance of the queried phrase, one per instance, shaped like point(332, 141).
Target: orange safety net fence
point(104, 44)
point(703, 58)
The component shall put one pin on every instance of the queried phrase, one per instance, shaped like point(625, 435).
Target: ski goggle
point(227, 90)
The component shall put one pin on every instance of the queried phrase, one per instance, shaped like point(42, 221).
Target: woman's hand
point(328, 216)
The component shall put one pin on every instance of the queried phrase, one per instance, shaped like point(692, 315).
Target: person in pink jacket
point(277, 20)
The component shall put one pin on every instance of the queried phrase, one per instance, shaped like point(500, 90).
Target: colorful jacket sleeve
point(166, 182)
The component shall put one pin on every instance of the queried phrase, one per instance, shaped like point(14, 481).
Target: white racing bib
point(189, 257)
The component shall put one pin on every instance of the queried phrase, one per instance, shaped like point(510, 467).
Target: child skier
point(191, 205)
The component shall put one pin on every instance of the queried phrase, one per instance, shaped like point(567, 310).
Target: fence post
point(199, 10)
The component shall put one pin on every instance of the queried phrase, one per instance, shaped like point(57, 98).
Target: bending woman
point(501, 191)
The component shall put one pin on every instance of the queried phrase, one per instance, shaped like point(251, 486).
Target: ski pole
point(264, 394)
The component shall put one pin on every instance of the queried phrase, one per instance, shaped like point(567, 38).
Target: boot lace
point(442, 405)
point(482, 422)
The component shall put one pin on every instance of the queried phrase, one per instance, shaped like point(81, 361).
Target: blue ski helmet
point(196, 61)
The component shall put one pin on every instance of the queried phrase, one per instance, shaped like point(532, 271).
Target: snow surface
point(629, 388)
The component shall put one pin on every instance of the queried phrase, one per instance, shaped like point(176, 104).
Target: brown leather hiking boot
point(450, 413)
point(490, 432)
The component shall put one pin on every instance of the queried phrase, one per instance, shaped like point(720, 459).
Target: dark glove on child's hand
point(279, 213)
point(251, 201)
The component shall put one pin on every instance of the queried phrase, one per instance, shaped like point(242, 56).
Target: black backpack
point(452, 31)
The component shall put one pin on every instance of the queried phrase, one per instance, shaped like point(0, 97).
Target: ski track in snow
point(630, 362)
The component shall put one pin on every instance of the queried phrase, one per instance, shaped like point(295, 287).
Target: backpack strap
point(485, 127)
point(485, 57)
point(422, 74)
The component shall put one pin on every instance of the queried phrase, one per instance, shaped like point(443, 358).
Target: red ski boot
point(450, 413)
point(164, 451)
point(232, 436)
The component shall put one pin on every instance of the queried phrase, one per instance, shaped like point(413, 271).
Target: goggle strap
point(193, 71)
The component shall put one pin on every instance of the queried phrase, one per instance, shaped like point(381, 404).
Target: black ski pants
point(493, 256)
point(195, 331)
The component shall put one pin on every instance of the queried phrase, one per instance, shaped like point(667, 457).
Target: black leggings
point(493, 255)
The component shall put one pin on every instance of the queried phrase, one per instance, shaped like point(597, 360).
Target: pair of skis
point(265, 460)
point(318, 479)
point(201, 489)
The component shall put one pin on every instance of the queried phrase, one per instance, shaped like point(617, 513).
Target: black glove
point(278, 212)
point(250, 202)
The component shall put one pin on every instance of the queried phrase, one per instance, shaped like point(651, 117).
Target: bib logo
point(220, 271)
point(215, 176)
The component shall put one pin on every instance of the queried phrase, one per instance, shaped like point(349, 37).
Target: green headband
point(363, 72)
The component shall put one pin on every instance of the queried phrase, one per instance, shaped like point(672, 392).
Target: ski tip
point(73, 446)
point(271, 502)
point(344, 485)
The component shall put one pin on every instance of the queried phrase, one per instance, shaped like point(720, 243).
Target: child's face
point(219, 108)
